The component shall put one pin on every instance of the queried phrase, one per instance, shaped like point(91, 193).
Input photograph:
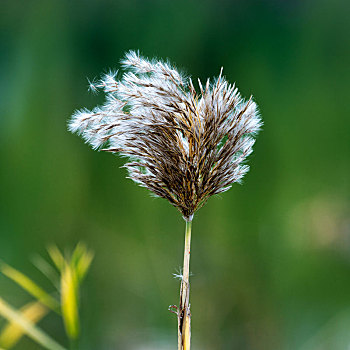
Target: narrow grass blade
point(31, 287)
point(81, 260)
point(47, 270)
point(69, 302)
point(12, 332)
point(78, 252)
point(28, 327)
point(83, 265)
point(56, 257)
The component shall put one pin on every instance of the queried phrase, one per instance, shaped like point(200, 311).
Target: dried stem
point(184, 313)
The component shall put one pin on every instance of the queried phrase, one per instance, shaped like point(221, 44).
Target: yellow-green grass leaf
point(56, 256)
point(78, 252)
point(47, 270)
point(69, 302)
point(13, 332)
point(32, 331)
point(31, 287)
point(83, 264)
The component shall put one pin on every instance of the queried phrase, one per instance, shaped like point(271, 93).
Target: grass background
point(270, 259)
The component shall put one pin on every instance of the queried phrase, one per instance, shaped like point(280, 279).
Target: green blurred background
point(270, 259)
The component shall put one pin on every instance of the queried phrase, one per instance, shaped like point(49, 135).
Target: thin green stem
point(73, 344)
point(184, 314)
point(187, 253)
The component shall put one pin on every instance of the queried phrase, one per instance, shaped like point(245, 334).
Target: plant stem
point(73, 344)
point(184, 314)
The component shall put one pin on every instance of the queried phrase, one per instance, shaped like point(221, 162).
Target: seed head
point(182, 145)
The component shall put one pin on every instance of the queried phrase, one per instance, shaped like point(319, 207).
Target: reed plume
point(183, 145)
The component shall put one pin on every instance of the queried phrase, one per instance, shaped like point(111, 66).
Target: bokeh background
point(270, 259)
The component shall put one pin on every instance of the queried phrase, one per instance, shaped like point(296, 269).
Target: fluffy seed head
point(182, 145)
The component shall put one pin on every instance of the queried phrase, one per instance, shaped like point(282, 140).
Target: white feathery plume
point(183, 146)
